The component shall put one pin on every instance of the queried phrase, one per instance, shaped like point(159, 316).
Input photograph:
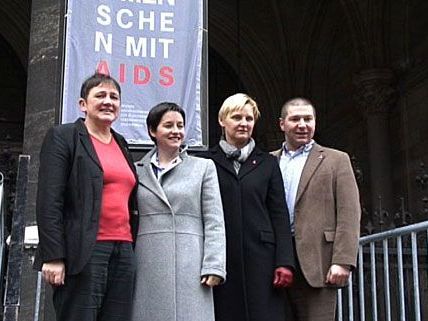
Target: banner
point(153, 48)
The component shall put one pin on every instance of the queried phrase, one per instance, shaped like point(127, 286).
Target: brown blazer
point(327, 214)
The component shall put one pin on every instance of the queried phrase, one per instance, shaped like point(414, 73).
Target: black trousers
point(103, 290)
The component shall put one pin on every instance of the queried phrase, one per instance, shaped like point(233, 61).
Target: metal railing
point(12, 300)
point(2, 236)
point(387, 282)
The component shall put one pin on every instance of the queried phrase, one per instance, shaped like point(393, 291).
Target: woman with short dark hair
point(85, 207)
point(180, 247)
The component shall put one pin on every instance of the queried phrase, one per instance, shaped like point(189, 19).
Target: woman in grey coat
point(180, 246)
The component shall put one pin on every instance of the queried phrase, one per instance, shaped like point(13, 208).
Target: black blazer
point(69, 196)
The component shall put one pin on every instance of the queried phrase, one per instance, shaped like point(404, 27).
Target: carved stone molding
point(375, 90)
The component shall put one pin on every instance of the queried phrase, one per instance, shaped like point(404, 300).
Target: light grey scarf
point(238, 156)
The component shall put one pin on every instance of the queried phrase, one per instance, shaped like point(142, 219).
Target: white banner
point(153, 48)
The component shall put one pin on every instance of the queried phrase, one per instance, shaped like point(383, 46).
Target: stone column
point(376, 94)
point(42, 111)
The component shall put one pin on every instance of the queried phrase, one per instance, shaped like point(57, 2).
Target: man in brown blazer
point(323, 202)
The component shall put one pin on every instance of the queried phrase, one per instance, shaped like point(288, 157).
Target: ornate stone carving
point(375, 90)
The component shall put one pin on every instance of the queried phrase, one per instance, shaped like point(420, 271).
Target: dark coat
point(258, 237)
point(69, 196)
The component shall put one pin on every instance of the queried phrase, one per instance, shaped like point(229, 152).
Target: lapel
point(252, 162)
point(147, 178)
point(86, 141)
point(219, 157)
point(315, 158)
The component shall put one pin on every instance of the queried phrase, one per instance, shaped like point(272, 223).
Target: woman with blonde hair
point(259, 251)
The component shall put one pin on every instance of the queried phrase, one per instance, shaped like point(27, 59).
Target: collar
point(306, 148)
point(155, 161)
point(146, 160)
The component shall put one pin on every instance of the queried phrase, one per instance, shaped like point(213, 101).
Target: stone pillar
point(376, 94)
point(42, 111)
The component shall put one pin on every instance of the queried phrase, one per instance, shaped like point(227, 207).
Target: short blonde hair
point(238, 102)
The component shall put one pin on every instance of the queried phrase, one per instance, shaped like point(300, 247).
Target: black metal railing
point(15, 262)
point(2, 233)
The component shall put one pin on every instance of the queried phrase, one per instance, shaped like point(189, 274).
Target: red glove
point(283, 277)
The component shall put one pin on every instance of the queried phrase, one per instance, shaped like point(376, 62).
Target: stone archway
point(12, 93)
point(15, 27)
point(14, 43)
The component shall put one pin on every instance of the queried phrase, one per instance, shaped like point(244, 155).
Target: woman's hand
point(211, 280)
point(283, 277)
point(54, 272)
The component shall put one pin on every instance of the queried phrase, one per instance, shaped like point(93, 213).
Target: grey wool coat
point(181, 237)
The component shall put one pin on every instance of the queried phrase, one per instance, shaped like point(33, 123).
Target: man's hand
point(54, 272)
point(337, 275)
point(283, 277)
point(211, 280)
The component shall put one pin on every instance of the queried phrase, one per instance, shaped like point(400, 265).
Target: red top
point(119, 181)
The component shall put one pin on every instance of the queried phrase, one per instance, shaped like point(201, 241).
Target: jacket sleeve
point(214, 261)
point(280, 218)
point(348, 213)
point(53, 174)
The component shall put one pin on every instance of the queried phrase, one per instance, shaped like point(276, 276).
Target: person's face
point(238, 126)
point(170, 132)
point(298, 125)
point(102, 106)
